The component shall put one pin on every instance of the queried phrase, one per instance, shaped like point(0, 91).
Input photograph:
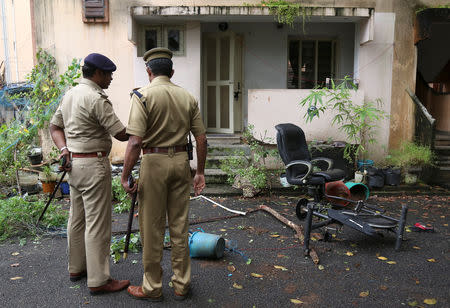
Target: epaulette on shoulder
point(140, 96)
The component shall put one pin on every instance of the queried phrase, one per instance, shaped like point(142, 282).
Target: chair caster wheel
point(301, 210)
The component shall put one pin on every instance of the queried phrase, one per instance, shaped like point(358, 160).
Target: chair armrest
point(327, 160)
point(301, 162)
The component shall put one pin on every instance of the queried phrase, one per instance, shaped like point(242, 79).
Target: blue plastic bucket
point(358, 191)
point(206, 245)
point(65, 190)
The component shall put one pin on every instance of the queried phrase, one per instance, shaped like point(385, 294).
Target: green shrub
point(118, 245)
point(18, 216)
point(119, 194)
point(410, 154)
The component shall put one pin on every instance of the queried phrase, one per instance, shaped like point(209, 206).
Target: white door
point(222, 85)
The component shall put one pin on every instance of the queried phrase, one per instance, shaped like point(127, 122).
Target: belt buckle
point(99, 154)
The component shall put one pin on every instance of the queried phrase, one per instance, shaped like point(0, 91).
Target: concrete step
point(441, 143)
point(227, 149)
point(215, 176)
point(442, 136)
point(222, 139)
point(214, 162)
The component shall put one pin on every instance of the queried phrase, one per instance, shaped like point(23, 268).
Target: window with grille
point(310, 63)
point(95, 11)
point(169, 36)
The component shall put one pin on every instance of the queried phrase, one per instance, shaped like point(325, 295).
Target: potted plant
point(410, 158)
point(358, 121)
point(48, 179)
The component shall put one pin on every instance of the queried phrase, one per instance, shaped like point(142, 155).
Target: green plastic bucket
point(358, 191)
point(206, 245)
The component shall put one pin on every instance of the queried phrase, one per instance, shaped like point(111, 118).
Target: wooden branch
point(298, 229)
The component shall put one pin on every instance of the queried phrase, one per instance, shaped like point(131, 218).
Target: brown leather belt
point(93, 154)
point(176, 149)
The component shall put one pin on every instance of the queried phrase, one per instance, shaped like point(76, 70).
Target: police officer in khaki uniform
point(81, 128)
point(161, 117)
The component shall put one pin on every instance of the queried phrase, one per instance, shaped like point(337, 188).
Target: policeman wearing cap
point(81, 128)
point(161, 117)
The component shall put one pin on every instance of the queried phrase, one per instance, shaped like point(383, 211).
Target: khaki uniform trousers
point(164, 183)
point(89, 226)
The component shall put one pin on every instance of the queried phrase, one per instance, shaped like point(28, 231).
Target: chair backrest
point(291, 143)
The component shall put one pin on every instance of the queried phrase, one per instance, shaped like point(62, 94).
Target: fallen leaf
point(445, 225)
point(347, 268)
point(353, 245)
point(430, 301)
point(391, 262)
point(364, 294)
point(412, 304)
point(256, 275)
point(223, 230)
point(15, 254)
point(431, 260)
point(416, 247)
point(237, 286)
point(280, 267)
point(383, 287)
point(16, 278)
point(231, 268)
point(248, 261)
point(349, 253)
point(75, 286)
point(274, 235)
point(296, 301)
point(14, 265)
point(321, 267)
point(382, 258)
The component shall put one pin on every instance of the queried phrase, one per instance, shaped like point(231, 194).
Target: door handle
point(236, 93)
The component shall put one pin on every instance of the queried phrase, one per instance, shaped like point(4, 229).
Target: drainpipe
point(15, 41)
point(5, 42)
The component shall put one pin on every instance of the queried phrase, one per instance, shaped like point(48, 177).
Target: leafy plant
point(359, 122)
point(286, 12)
point(41, 103)
point(252, 168)
point(118, 245)
point(119, 194)
point(410, 154)
point(18, 216)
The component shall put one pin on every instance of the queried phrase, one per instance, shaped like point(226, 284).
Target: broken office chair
point(301, 170)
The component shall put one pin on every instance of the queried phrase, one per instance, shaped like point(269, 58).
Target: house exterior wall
point(16, 37)
point(283, 107)
point(265, 52)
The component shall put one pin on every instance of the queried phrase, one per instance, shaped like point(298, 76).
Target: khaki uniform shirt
point(88, 118)
point(170, 112)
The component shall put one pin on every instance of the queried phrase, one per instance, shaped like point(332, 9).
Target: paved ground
point(350, 272)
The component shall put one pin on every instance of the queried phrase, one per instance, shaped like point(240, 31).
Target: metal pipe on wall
point(15, 41)
point(5, 43)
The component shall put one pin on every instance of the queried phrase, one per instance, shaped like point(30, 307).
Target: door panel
point(219, 75)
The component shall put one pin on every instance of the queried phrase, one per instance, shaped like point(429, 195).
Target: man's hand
point(199, 183)
point(128, 189)
point(65, 156)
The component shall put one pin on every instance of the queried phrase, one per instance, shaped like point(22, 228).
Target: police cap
point(100, 61)
point(156, 53)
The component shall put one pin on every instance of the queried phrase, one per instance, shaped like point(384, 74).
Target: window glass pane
point(173, 39)
point(151, 39)
point(210, 59)
point(225, 107)
point(308, 64)
point(324, 62)
point(211, 106)
point(293, 66)
point(225, 58)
